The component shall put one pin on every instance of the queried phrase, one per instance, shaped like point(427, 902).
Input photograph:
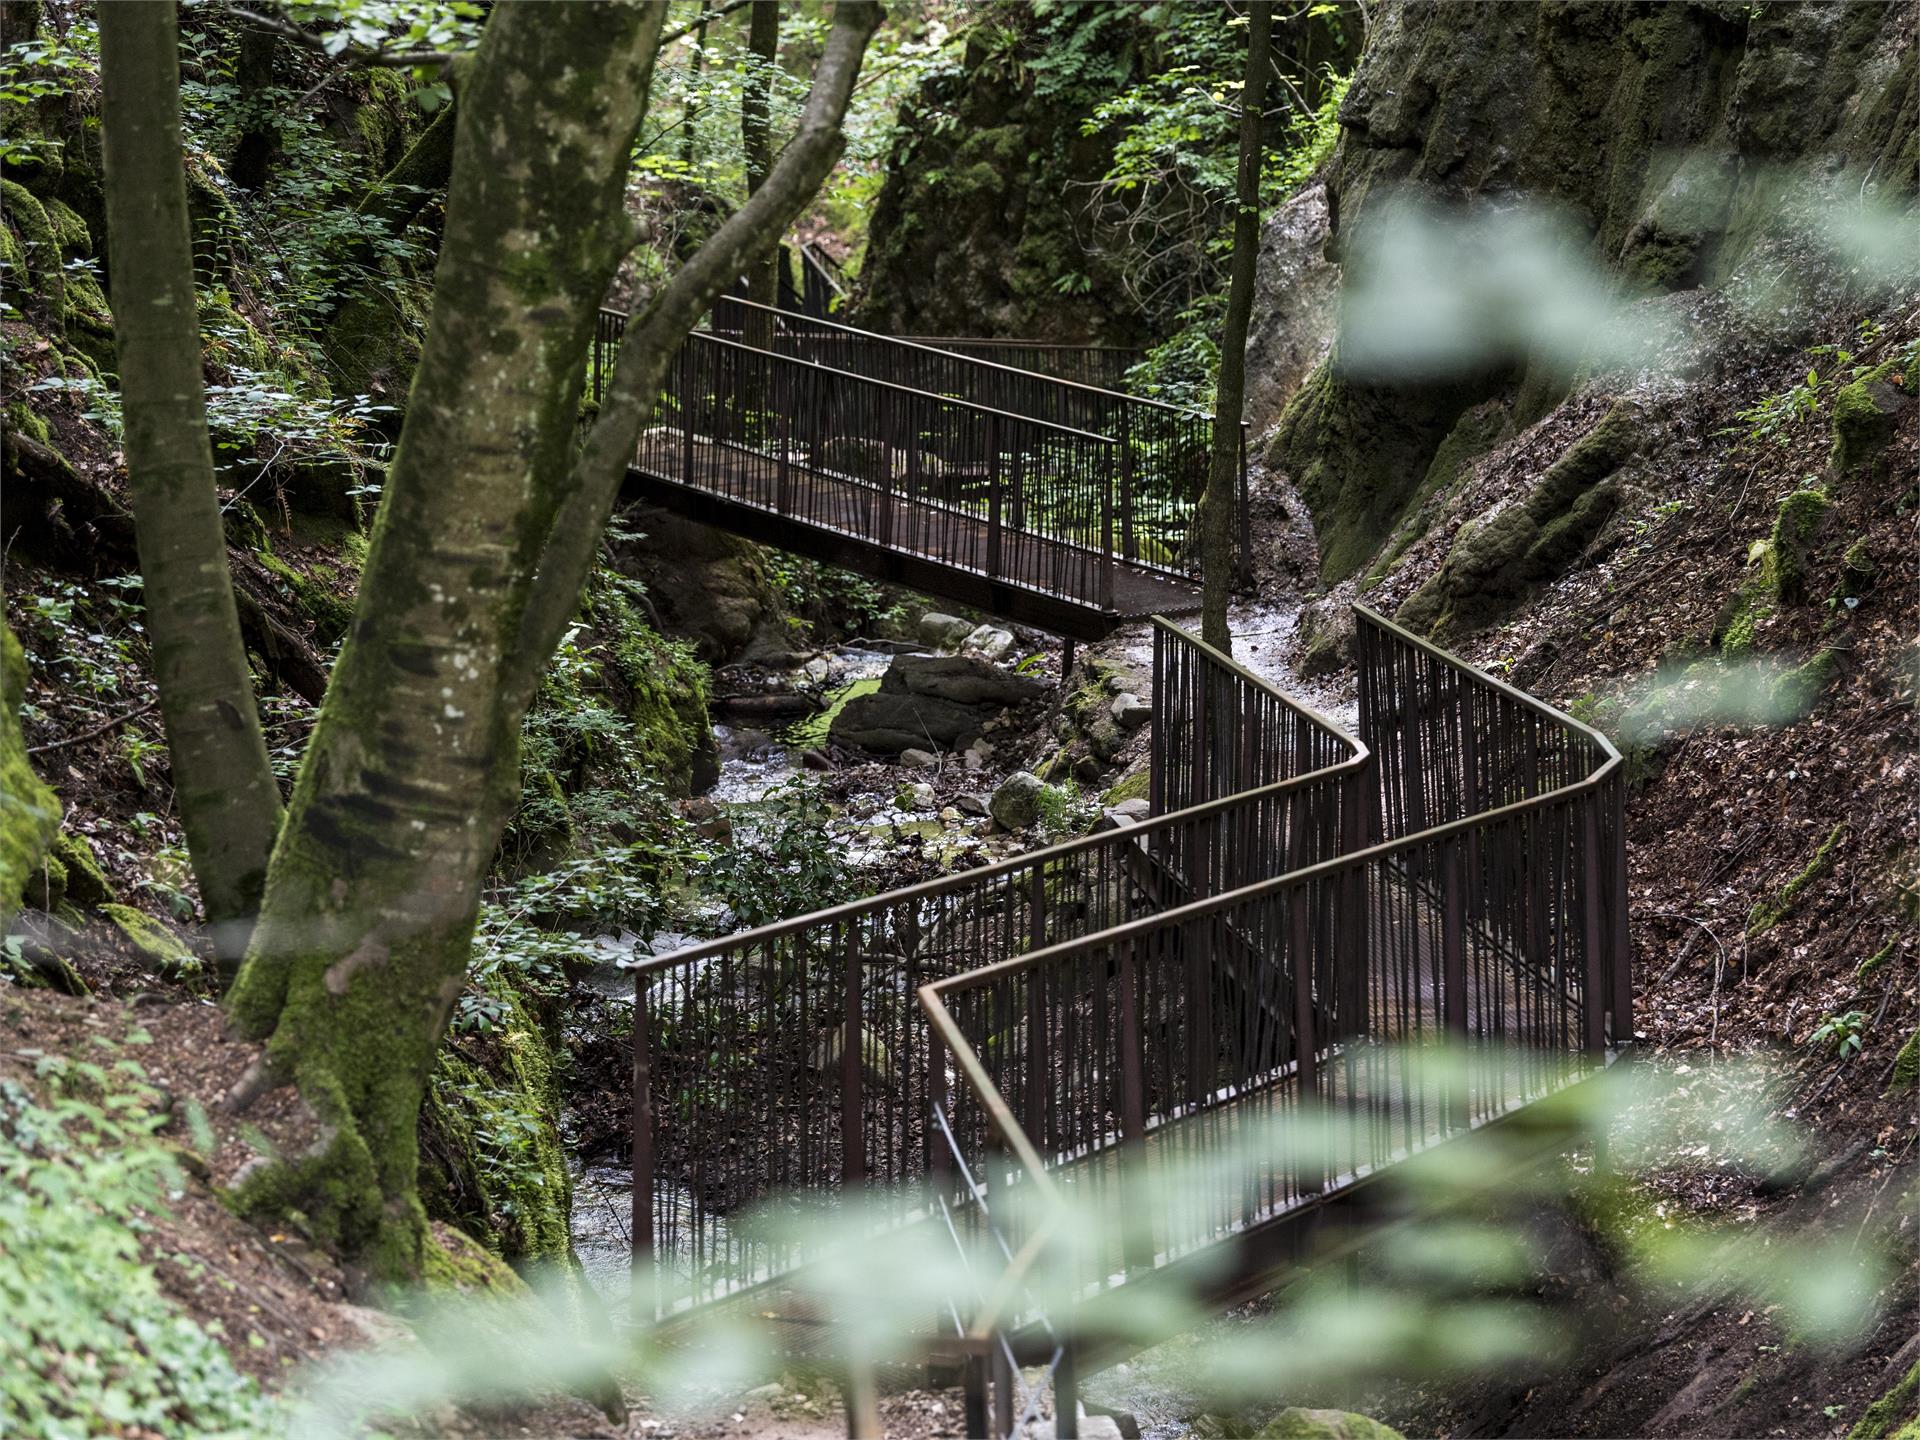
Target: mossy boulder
point(39, 245)
point(1359, 452)
point(1499, 558)
point(1136, 785)
point(1865, 416)
point(1796, 531)
point(1896, 1414)
point(1299, 1424)
point(86, 883)
point(29, 813)
point(971, 233)
point(1795, 691)
point(1906, 1064)
point(706, 586)
point(455, 1262)
point(152, 941)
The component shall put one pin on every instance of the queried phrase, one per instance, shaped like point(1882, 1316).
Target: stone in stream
point(1016, 804)
point(914, 797)
point(931, 702)
point(991, 641)
point(1127, 812)
point(919, 759)
point(943, 632)
point(1129, 711)
point(973, 804)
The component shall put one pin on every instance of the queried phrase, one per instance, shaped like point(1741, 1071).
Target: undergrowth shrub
point(89, 1345)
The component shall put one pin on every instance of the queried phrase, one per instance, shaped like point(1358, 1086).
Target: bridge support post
point(641, 1120)
point(1002, 1388)
point(1595, 997)
point(1136, 1242)
point(974, 1388)
point(853, 1149)
point(1620, 951)
point(1066, 1397)
point(993, 496)
point(1453, 970)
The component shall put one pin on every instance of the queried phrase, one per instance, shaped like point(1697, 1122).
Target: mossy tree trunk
point(485, 534)
point(1223, 475)
point(229, 802)
point(756, 143)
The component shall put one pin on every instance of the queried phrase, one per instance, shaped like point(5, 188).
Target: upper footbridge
point(1045, 501)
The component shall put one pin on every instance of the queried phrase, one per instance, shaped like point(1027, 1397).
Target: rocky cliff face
point(1685, 144)
point(976, 231)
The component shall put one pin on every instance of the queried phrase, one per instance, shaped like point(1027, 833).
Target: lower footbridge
point(1038, 1060)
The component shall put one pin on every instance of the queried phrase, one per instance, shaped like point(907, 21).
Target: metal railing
point(793, 1059)
point(1497, 923)
point(1105, 366)
point(1021, 501)
point(1165, 450)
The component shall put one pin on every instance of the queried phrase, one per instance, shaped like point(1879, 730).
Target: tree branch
point(706, 17)
point(354, 56)
point(653, 336)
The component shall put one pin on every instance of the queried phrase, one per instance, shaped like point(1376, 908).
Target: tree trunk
point(259, 142)
point(486, 529)
point(756, 140)
point(229, 802)
point(1218, 506)
point(694, 67)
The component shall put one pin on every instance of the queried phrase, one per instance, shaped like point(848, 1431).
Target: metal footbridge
point(1303, 916)
point(1045, 501)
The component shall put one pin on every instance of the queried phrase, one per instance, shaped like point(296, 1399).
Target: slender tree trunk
point(1218, 507)
point(254, 152)
point(487, 527)
point(694, 67)
point(229, 802)
point(756, 140)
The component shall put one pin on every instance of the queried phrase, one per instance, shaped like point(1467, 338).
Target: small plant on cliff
point(1843, 1035)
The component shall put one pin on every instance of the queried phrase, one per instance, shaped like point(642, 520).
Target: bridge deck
point(941, 549)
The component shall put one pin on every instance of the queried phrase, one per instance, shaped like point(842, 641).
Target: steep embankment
point(1711, 554)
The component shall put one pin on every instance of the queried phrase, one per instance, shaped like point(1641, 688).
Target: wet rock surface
point(929, 703)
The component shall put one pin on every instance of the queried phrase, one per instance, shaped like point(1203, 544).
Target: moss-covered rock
point(972, 232)
point(1136, 785)
point(668, 708)
point(1865, 415)
point(1359, 453)
point(1299, 1424)
point(39, 244)
point(1769, 913)
point(1896, 1414)
point(330, 612)
point(29, 813)
point(1497, 559)
point(1796, 530)
point(86, 883)
point(1794, 691)
point(1664, 129)
point(457, 1263)
point(707, 586)
point(1906, 1064)
point(152, 941)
